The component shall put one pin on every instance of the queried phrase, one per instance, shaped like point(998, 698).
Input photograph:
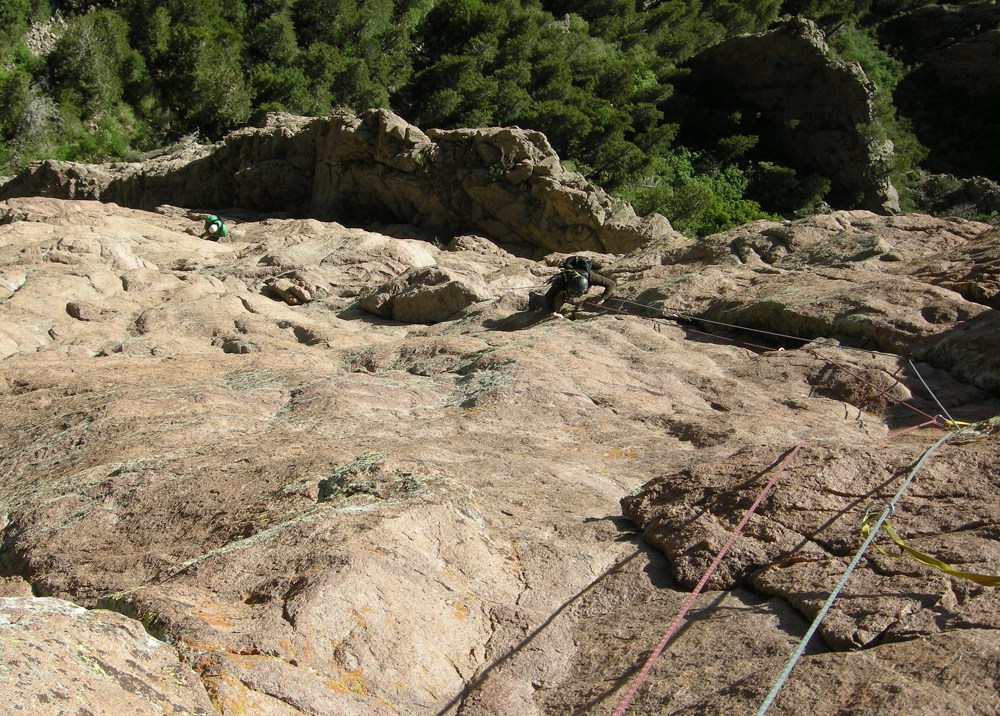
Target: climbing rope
point(686, 318)
point(889, 508)
point(945, 421)
point(640, 677)
point(680, 315)
point(912, 428)
point(943, 409)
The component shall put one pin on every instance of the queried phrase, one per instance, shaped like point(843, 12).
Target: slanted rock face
point(814, 107)
point(323, 511)
point(506, 183)
point(58, 655)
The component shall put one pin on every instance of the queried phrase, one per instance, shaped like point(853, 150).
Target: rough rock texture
point(506, 183)
point(946, 194)
point(814, 107)
point(61, 658)
point(326, 511)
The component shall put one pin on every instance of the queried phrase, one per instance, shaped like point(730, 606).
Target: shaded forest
point(114, 80)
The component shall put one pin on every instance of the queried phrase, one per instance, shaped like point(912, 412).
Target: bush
point(92, 62)
point(782, 191)
point(857, 44)
point(697, 203)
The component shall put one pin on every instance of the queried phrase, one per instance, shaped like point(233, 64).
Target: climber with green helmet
point(215, 228)
point(573, 281)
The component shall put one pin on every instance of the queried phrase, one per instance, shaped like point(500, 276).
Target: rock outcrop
point(316, 509)
point(955, 50)
point(814, 110)
point(61, 658)
point(925, 31)
point(505, 183)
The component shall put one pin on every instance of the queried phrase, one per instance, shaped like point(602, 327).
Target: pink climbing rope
point(912, 428)
point(640, 677)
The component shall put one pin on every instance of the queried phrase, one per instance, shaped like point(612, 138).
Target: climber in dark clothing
point(575, 279)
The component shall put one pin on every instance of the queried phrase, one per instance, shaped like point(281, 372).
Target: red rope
point(881, 391)
point(904, 431)
point(644, 671)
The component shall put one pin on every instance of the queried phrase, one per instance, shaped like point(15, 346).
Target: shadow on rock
point(516, 321)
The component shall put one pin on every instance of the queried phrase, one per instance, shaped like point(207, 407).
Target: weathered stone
point(327, 513)
point(289, 292)
point(505, 183)
point(60, 656)
point(427, 295)
point(83, 311)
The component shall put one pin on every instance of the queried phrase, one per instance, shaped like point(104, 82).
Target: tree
point(13, 22)
point(92, 62)
point(15, 93)
point(209, 84)
point(193, 49)
point(367, 47)
point(273, 61)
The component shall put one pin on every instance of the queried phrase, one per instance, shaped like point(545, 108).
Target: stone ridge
point(504, 183)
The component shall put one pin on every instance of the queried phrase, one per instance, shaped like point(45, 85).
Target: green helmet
point(215, 226)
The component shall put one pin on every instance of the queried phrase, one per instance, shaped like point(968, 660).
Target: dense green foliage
point(595, 76)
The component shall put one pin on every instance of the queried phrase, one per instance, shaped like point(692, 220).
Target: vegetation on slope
point(123, 77)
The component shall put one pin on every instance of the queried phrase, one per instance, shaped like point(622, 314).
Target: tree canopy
point(594, 76)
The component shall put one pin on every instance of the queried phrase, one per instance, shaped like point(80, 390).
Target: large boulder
point(814, 109)
point(427, 295)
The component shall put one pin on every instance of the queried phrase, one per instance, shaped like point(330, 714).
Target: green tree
point(274, 62)
point(15, 93)
point(193, 49)
point(92, 62)
point(365, 45)
point(511, 62)
point(13, 23)
point(209, 85)
point(742, 17)
point(697, 202)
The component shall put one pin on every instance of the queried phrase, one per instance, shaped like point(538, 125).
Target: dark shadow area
point(954, 127)
point(628, 675)
point(518, 321)
point(355, 312)
point(657, 570)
